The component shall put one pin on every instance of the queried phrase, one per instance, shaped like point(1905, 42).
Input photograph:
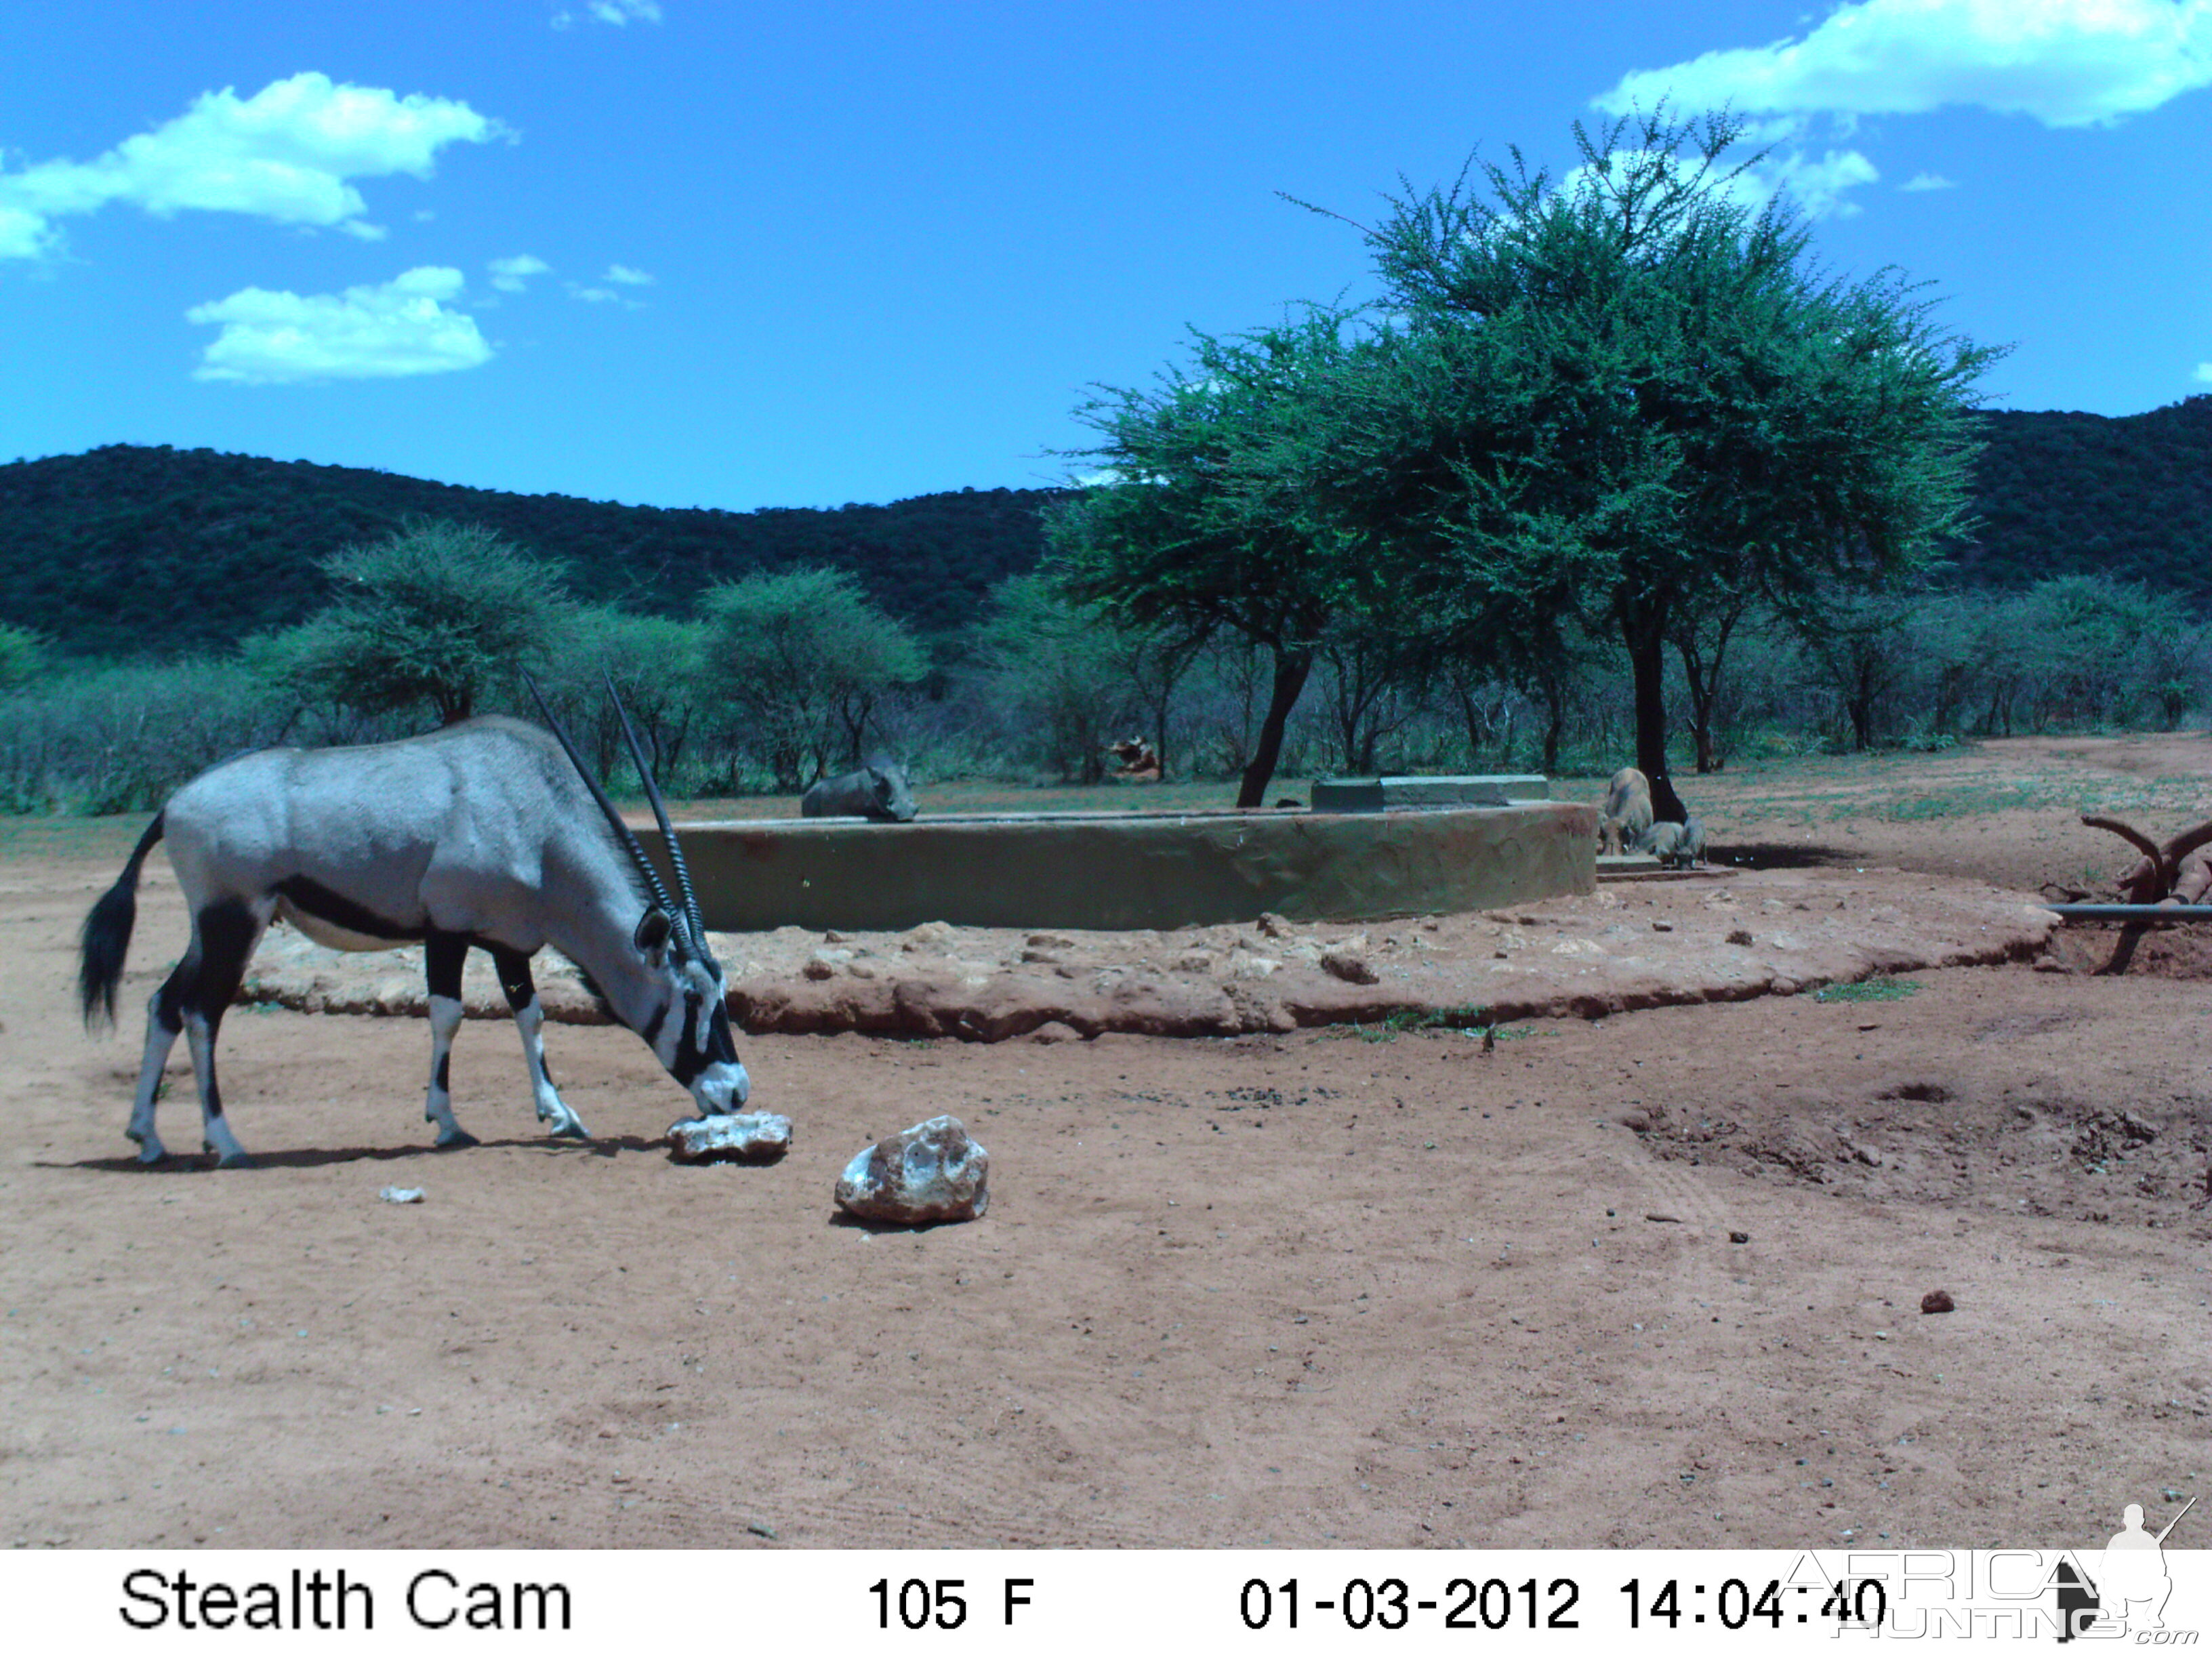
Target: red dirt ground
point(1323, 1287)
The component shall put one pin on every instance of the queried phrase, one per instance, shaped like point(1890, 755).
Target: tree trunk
point(1645, 635)
point(1555, 722)
point(1292, 669)
point(1477, 727)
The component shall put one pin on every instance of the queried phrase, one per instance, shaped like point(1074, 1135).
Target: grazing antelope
point(482, 834)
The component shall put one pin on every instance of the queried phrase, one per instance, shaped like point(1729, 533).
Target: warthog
point(1674, 843)
point(1626, 813)
point(876, 790)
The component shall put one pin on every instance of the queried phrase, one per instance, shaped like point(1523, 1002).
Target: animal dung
point(739, 1138)
point(1937, 1301)
point(932, 1172)
point(401, 1195)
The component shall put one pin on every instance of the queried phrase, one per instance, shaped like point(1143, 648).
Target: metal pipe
point(2130, 912)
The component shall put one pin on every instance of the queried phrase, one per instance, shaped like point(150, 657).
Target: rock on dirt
point(931, 1172)
point(740, 1138)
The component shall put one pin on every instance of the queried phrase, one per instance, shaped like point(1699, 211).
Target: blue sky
point(710, 254)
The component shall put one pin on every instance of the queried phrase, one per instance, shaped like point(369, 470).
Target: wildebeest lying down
point(485, 834)
point(1626, 813)
point(876, 790)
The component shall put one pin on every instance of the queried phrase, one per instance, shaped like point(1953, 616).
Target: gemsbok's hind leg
point(443, 954)
point(522, 991)
point(224, 935)
point(164, 1022)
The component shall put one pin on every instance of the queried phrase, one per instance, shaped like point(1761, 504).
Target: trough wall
point(1131, 869)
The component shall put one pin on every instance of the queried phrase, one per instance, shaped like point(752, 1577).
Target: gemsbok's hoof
point(235, 1161)
point(453, 1139)
point(150, 1150)
point(572, 1130)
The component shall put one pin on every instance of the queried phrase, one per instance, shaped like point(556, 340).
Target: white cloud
point(2066, 63)
point(361, 230)
point(626, 273)
point(509, 275)
point(1815, 187)
point(23, 234)
point(620, 13)
point(2204, 371)
point(595, 296)
point(285, 154)
point(1929, 181)
point(397, 328)
point(1818, 187)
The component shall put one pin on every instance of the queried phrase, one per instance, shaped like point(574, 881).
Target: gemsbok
point(488, 833)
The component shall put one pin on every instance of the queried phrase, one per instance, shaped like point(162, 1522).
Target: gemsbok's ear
point(651, 935)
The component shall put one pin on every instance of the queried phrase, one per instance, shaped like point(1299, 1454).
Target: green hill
point(133, 552)
point(2063, 494)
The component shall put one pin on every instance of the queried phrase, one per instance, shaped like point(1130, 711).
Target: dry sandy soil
point(1653, 1278)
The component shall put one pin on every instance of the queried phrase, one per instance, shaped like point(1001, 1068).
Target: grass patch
point(1466, 1020)
point(1964, 803)
point(1879, 987)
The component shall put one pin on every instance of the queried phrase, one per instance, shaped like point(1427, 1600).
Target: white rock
point(401, 1195)
point(932, 1172)
point(740, 1138)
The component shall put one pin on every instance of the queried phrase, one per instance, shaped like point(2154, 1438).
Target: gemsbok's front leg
point(443, 954)
point(514, 969)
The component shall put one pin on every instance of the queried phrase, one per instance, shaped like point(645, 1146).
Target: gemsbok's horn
point(621, 830)
point(697, 922)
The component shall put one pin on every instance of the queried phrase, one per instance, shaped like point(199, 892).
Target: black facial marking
point(312, 898)
point(650, 1029)
point(720, 1045)
point(689, 1062)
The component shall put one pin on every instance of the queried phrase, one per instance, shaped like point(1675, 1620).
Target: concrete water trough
point(1131, 869)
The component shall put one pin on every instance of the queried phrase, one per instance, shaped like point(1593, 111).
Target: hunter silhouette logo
point(2130, 1587)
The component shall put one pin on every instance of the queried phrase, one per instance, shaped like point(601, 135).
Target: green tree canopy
point(801, 657)
point(653, 663)
point(438, 613)
point(1212, 522)
point(1627, 395)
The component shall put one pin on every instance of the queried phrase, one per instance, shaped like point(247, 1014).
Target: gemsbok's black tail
point(107, 933)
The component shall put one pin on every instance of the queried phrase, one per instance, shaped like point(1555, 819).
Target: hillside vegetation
point(130, 552)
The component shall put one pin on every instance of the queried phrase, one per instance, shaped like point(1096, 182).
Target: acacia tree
point(1626, 397)
point(1701, 633)
point(437, 612)
point(802, 658)
point(1214, 524)
point(654, 663)
point(1058, 675)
